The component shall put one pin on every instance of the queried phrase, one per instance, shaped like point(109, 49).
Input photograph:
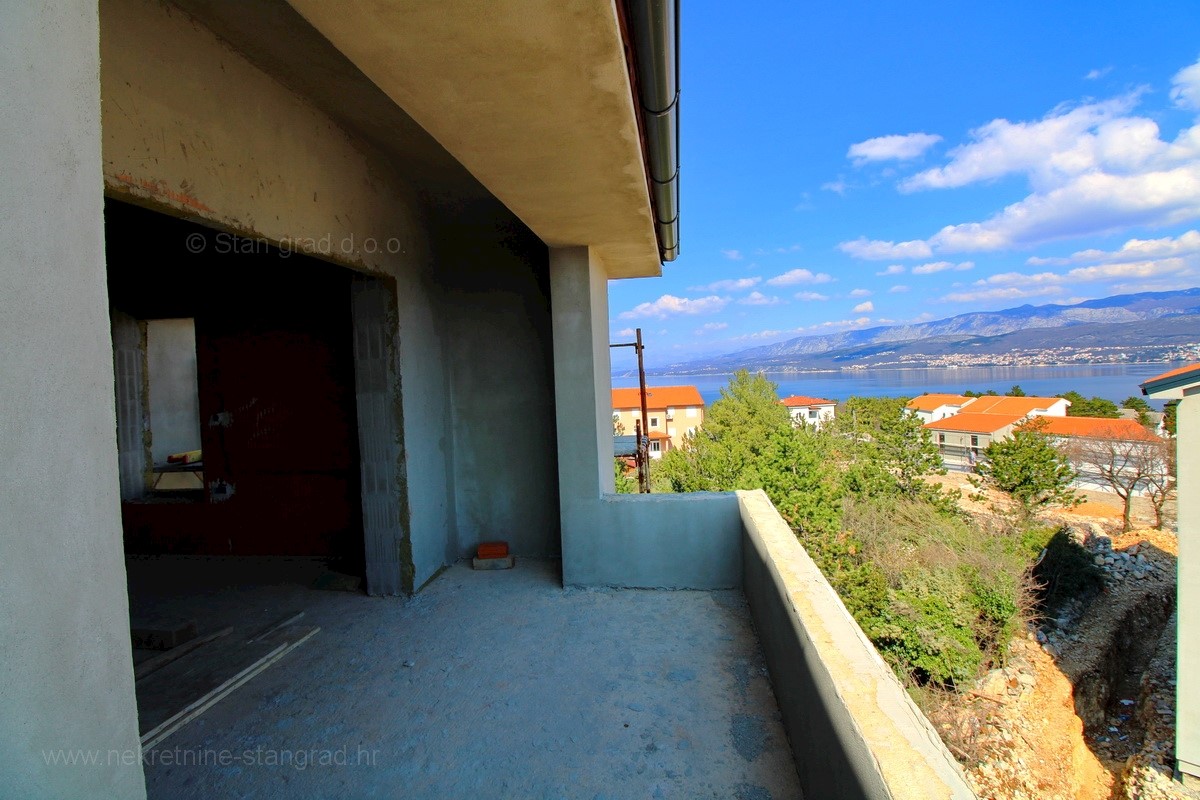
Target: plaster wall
point(854, 731)
point(129, 363)
point(660, 541)
point(1187, 442)
point(194, 128)
point(496, 322)
point(66, 677)
point(174, 399)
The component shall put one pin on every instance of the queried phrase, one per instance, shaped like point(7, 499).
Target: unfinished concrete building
point(347, 252)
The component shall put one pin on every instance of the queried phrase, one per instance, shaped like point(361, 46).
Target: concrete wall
point(129, 363)
point(1187, 731)
point(66, 677)
point(854, 731)
point(196, 129)
point(174, 398)
point(495, 319)
point(661, 541)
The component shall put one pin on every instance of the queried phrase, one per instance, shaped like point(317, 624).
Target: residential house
point(961, 438)
point(810, 410)
point(390, 228)
point(672, 412)
point(932, 407)
point(1183, 384)
point(1065, 429)
point(1024, 406)
point(973, 425)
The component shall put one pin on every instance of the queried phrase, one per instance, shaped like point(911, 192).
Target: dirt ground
point(1084, 706)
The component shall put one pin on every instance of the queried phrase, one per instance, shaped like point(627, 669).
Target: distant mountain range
point(1151, 326)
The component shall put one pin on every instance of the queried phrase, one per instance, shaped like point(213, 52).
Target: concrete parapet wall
point(855, 733)
point(658, 541)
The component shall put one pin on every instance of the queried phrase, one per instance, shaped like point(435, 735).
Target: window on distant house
point(812, 413)
point(941, 438)
point(974, 441)
point(654, 422)
point(654, 447)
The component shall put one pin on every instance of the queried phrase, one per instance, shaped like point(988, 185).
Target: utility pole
point(642, 457)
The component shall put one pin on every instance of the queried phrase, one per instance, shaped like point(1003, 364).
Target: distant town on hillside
point(1136, 328)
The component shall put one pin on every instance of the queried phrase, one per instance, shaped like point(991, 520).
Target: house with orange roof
point(806, 410)
point(1183, 384)
point(672, 412)
point(1125, 430)
point(931, 407)
point(962, 437)
point(1024, 406)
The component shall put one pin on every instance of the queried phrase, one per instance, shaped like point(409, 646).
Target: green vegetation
point(1090, 407)
point(939, 593)
point(626, 483)
point(1135, 403)
point(1029, 468)
point(1169, 412)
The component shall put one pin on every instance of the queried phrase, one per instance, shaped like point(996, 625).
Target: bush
point(953, 592)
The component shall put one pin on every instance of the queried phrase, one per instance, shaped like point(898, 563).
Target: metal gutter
point(654, 29)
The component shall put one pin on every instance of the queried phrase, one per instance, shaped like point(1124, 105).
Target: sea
point(1110, 381)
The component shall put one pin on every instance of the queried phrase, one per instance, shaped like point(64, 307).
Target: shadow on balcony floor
point(487, 684)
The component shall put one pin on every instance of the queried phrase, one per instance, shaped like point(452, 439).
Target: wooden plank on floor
point(162, 659)
point(181, 691)
point(264, 633)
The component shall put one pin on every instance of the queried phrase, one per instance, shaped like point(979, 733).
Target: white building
point(810, 410)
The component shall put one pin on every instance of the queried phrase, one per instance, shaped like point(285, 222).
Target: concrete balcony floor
point(517, 688)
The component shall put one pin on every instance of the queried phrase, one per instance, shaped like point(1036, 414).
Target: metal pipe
point(654, 25)
point(645, 476)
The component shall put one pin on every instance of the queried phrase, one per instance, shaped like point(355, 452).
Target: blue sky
point(856, 164)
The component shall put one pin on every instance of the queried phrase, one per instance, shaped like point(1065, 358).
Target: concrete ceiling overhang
point(532, 97)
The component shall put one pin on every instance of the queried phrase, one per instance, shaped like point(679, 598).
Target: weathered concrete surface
point(487, 684)
point(532, 96)
point(66, 678)
point(199, 129)
point(854, 730)
point(1187, 701)
point(659, 541)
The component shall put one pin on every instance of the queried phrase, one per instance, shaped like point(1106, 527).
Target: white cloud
point(1092, 204)
point(768, 334)
point(810, 296)
point(883, 251)
point(1132, 250)
point(861, 293)
point(669, 305)
point(1136, 269)
point(731, 285)
point(897, 289)
point(710, 327)
point(795, 276)
point(864, 308)
point(1068, 141)
point(624, 332)
point(841, 323)
point(759, 299)
point(1096, 74)
point(1185, 87)
point(942, 266)
point(1019, 279)
point(1000, 293)
point(892, 148)
point(732, 255)
point(894, 269)
point(1093, 168)
point(838, 187)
